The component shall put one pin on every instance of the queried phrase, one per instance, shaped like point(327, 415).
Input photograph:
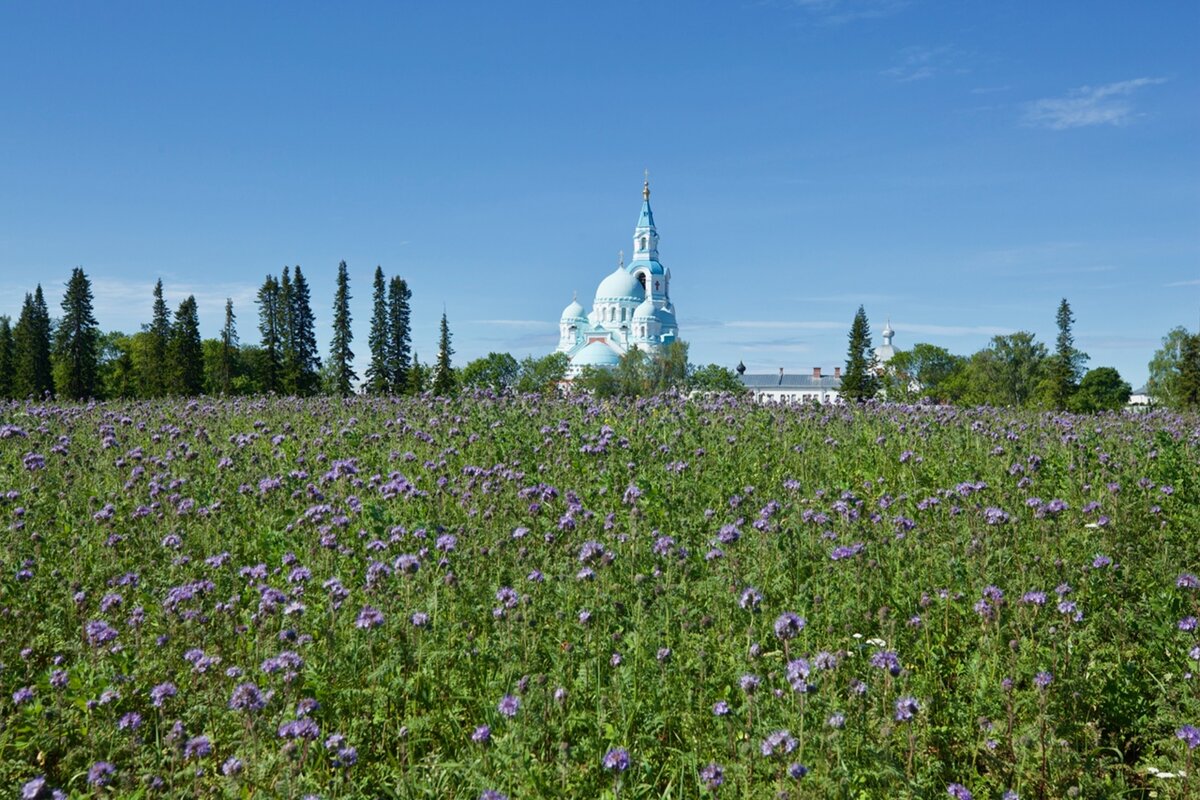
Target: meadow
point(529, 597)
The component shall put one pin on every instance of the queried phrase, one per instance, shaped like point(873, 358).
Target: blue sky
point(955, 166)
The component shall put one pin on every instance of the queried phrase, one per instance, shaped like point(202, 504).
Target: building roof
point(786, 381)
point(596, 354)
point(619, 285)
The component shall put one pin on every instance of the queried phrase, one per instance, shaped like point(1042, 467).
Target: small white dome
point(574, 312)
point(645, 310)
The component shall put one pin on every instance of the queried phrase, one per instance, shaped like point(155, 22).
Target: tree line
point(71, 358)
point(1017, 370)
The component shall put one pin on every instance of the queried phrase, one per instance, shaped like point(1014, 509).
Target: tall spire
point(645, 237)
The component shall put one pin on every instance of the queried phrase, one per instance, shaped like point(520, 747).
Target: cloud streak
point(841, 12)
point(1109, 104)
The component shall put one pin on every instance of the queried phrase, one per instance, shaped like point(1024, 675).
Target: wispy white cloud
point(802, 325)
point(951, 330)
point(990, 89)
point(1182, 283)
point(514, 323)
point(919, 63)
point(1109, 104)
point(841, 12)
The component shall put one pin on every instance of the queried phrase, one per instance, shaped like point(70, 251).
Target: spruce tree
point(307, 363)
point(443, 372)
point(399, 336)
point(341, 358)
point(1064, 369)
point(268, 329)
point(377, 340)
point(31, 349)
point(289, 363)
point(186, 354)
point(155, 380)
point(859, 381)
point(6, 358)
point(76, 340)
point(227, 362)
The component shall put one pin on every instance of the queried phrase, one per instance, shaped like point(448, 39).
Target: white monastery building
point(632, 307)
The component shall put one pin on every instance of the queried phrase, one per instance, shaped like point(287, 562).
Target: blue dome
point(596, 354)
point(620, 285)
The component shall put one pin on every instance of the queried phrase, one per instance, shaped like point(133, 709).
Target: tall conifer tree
point(1064, 369)
point(227, 362)
point(377, 340)
point(186, 353)
point(76, 340)
point(31, 348)
point(399, 336)
point(6, 358)
point(268, 329)
point(859, 382)
point(287, 335)
point(306, 362)
point(443, 372)
point(341, 357)
point(156, 378)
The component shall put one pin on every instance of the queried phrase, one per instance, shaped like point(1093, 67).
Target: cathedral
point(632, 307)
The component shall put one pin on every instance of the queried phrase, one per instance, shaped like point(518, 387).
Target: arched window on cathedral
point(644, 242)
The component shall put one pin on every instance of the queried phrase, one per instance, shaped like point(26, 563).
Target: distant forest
point(71, 358)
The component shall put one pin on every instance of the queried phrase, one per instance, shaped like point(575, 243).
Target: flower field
point(528, 597)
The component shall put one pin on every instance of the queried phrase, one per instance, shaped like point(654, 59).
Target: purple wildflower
point(616, 759)
point(160, 693)
point(778, 741)
point(713, 776)
point(788, 625)
point(1190, 735)
point(906, 707)
point(508, 705)
point(1042, 680)
point(100, 773)
point(197, 747)
point(958, 792)
point(368, 618)
point(482, 734)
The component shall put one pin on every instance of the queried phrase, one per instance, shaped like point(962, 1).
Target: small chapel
point(632, 306)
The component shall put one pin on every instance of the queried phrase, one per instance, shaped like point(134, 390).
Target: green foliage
point(443, 371)
point(75, 341)
point(341, 357)
point(542, 375)
point(185, 355)
point(1167, 385)
point(269, 366)
point(378, 377)
point(496, 371)
point(925, 371)
point(117, 373)
point(1101, 389)
point(715, 378)
point(1008, 372)
point(32, 371)
point(860, 381)
point(6, 358)
point(399, 341)
point(197, 536)
point(153, 377)
point(1063, 369)
point(301, 361)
